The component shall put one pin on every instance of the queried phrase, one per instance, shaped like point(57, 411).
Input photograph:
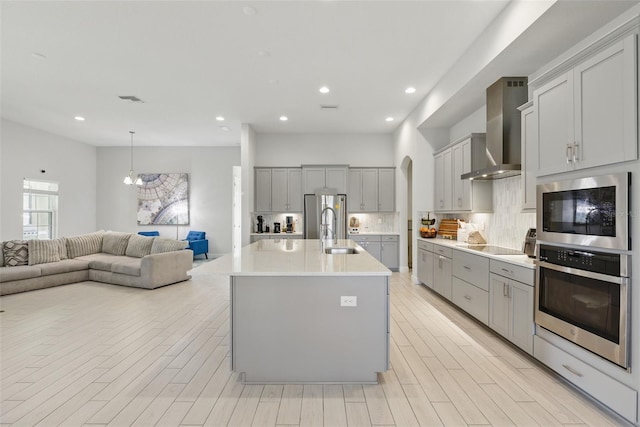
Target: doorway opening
point(407, 169)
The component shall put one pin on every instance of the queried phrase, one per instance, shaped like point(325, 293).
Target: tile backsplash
point(369, 223)
point(507, 225)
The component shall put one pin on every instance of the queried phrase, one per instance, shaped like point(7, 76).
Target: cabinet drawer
point(365, 238)
point(389, 238)
point(614, 394)
point(515, 272)
point(471, 299)
point(426, 246)
point(441, 250)
point(471, 268)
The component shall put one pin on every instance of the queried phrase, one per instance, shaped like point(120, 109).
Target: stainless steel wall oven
point(583, 296)
point(590, 211)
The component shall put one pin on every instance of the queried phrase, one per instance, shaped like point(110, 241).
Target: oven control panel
point(597, 262)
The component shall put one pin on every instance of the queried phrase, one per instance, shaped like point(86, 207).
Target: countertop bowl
point(428, 234)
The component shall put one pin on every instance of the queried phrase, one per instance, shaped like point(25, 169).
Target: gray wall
point(210, 189)
point(24, 152)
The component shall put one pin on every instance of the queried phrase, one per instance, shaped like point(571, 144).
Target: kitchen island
point(300, 315)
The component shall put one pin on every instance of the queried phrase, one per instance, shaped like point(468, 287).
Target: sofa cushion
point(62, 247)
point(43, 251)
point(63, 266)
point(131, 268)
point(139, 246)
point(9, 274)
point(16, 252)
point(84, 244)
point(115, 242)
point(102, 261)
point(167, 245)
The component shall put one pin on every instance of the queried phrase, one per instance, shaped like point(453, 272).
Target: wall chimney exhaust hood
point(502, 155)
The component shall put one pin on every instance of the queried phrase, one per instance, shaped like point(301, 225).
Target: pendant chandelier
point(132, 178)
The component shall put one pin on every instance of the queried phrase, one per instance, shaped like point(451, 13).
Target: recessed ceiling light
point(220, 119)
point(388, 119)
point(79, 118)
point(324, 89)
point(249, 10)
point(410, 89)
point(225, 128)
point(284, 118)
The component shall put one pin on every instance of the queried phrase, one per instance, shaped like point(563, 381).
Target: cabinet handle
point(507, 271)
point(504, 289)
point(566, 153)
point(573, 371)
point(466, 267)
point(467, 297)
point(575, 151)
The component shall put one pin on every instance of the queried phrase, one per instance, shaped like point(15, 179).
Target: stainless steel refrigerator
point(316, 214)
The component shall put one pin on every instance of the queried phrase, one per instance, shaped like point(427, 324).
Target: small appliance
point(529, 246)
point(260, 224)
point(276, 227)
point(354, 225)
point(289, 228)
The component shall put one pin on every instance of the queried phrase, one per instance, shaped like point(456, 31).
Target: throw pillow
point(16, 252)
point(167, 245)
point(43, 251)
point(139, 246)
point(115, 242)
point(62, 247)
point(85, 244)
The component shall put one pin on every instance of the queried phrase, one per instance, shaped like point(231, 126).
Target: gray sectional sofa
point(111, 257)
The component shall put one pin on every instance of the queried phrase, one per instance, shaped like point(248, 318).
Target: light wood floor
point(99, 354)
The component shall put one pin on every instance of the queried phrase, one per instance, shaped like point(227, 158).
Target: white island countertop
point(295, 257)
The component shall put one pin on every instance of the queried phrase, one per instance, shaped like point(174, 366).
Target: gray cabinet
point(389, 254)
point(425, 263)
point(442, 278)
point(384, 248)
point(318, 178)
point(470, 284)
point(511, 303)
point(262, 189)
point(529, 137)
point(386, 190)
point(588, 116)
point(371, 190)
point(286, 190)
point(278, 190)
point(452, 193)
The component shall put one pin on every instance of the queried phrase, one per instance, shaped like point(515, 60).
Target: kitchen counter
point(521, 260)
point(299, 315)
point(277, 234)
point(295, 257)
point(375, 233)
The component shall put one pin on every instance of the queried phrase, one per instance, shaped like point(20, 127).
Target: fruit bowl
point(428, 234)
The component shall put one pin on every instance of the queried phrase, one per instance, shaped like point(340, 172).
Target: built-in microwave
point(590, 211)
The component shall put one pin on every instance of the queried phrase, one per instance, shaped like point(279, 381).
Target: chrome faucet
point(326, 226)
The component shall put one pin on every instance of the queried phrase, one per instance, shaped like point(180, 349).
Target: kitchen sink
point(340, 251)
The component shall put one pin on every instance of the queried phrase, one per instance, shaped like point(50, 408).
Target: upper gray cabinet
point(371, 190)
point(329, 178)
point(529, 137)
point(453, 194)
point(278, 190)
point(588, 114)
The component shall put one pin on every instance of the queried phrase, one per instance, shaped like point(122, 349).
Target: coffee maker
point(529, 246)
point(276, 227)
point(289, 228)
point(260, 222)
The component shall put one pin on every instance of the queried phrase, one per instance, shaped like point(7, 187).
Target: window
point(39, 209)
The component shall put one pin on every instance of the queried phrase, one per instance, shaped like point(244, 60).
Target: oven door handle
point(582, 273)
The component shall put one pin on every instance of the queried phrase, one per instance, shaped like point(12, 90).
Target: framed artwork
point(163, 199)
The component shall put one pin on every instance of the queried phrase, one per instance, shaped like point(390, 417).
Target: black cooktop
point(495, 250)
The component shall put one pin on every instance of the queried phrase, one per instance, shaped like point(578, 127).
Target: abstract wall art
point(163, 198)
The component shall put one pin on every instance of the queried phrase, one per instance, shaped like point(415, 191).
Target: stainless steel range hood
point(502, 158)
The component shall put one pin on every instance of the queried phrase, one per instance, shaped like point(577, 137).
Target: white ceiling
point(190, 61)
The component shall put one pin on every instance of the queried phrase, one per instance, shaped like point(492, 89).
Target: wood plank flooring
point(103, 355)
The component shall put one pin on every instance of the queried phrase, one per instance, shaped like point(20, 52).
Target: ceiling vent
point(131, 98)
point(328, 107)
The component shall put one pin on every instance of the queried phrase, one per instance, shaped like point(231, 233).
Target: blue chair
point(149, 233)
point(198, 243)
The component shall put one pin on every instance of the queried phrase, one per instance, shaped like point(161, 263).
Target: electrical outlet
point(348, 301)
